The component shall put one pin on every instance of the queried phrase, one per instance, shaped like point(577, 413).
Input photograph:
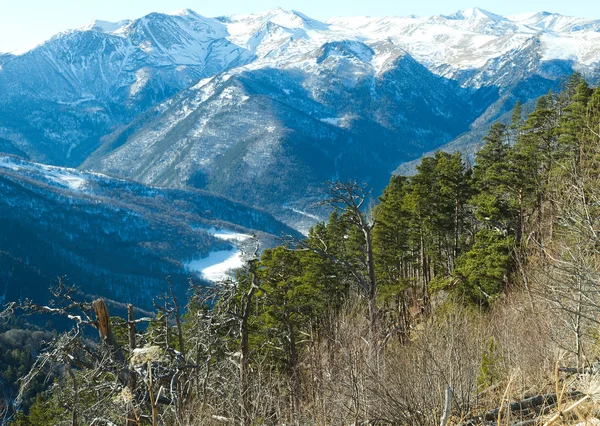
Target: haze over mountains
point(263, 108)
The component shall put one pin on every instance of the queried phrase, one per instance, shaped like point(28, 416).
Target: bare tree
point(350, 198)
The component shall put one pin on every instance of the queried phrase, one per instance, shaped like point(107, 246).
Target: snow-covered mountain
point(80, 84)
point(470, 40)
point(273, 135)
point(263, 107)
point(111, 237)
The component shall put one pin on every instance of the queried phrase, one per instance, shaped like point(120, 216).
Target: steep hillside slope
point(113, 238)
point(268, 136)
point(61, 97)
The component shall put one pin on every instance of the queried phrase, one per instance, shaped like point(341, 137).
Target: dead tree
point(349, 198)
point(242, 311)
point(90, 366)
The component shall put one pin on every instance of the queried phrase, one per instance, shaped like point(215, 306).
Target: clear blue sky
point(24, 23)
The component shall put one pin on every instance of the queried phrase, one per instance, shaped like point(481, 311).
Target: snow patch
point(218, 266)
point(303, 213)
point(64, 177)
point(227, 235)
point(334, 121)
point(104, 26)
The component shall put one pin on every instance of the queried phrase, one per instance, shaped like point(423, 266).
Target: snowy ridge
point(56, 176)
point(471, 38)
point(467, 39)
point(104, 26)
point(328, 86)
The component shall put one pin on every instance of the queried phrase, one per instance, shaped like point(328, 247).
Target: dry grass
point(350, 377)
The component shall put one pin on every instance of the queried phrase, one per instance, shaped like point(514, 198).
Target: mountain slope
point(61, 97)
point(113, 238)
point(269, 136)
point(457, 45)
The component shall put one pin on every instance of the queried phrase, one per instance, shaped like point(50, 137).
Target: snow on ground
point(225, 234)
point(218, 266)
point(104, 26)
point(72, 181)
point(5, 162)
point(304, 222)
point(64, 177)
point(334, 121)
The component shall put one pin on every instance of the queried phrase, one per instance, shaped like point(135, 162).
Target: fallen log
point(573, 370)
point(530, 403)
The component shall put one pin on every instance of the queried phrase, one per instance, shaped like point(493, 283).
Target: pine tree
point(43, 412)
point(572, 125)
point(290, 305)
point(530, 162)
point(455, 190)
point(591, 132)
point(494, 199)
point(516, 122)
point(394, 257)
point(391, 239)
point(422, 203)
point(483, 272)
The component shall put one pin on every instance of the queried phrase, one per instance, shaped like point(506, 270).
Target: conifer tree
point(483, 272)
point(572, 125)
point(516, 122)
point(455, 191)
point(290, 305)
point(531, 160)
point(394, 257)
point(391, 239)
point(591, 132)
point(494, 203)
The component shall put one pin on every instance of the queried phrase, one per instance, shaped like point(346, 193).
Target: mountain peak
point(547, 21)
point(291, 19)
point(531, 16)
point(475, 13)
point(104, 26)
point(183, 12)
point(187, 13)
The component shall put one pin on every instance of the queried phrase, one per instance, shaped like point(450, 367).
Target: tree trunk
point(131, 416)
point(105, 330)
point(293, 366)
point(177, 319)
point(245, 353)
point(75, 393)
point(370, 263)
point(521, 230)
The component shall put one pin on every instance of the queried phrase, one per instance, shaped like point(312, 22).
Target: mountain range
point(255, 109)
point(269, 105)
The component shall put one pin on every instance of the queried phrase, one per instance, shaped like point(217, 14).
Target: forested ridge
point(468, 294)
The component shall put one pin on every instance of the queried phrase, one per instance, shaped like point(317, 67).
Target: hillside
point(111, 237)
